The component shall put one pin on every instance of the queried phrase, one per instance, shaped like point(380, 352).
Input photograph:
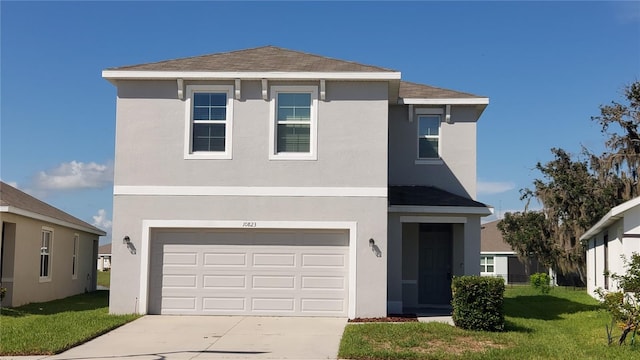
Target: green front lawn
point(55, 326)
point(565, 324)
point(104, 278)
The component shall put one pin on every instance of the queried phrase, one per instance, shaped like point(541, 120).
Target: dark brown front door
point(435, 259)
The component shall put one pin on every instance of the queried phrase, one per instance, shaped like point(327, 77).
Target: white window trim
point(50, 262)
point(188, 128)
point(74, 255)
point(428, 161)
point(313, 126)
point(484, 267)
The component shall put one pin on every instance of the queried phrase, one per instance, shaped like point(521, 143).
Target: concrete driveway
point(215, 337)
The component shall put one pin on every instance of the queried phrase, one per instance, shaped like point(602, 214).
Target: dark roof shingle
point(428, 196)
point(491, 238)
point(105, 249)
point(260, 59)
point(10, 196)
point(410, 90)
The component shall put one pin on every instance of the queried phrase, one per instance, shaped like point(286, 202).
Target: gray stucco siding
point(456, 173)
point(352, 139)
point(368, 213)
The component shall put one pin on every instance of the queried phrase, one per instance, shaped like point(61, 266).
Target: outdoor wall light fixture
point(126, 240)
point(371, 242)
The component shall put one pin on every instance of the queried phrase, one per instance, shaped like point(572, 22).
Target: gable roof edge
point(30, 214)
point(610, 217)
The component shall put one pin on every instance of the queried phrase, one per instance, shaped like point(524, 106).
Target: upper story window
point(486, 264)
point(45, 254)
point(209, 122)
point(429, 135)
point(293, 122)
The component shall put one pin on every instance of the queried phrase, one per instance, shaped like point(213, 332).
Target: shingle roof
point(260, 59)
point(491, 238)
point(420, 91)
point(12, 197)
point(105, 249)
point(428, 196)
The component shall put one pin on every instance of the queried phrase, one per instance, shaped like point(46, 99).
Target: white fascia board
point(609, 218)
point(453, 101)
point(276, 75)
point(36, 216)
point(462, 210)
point(497, 253)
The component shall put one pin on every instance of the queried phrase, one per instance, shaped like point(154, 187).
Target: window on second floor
point(486, 264)
point(45, 254)
point(293, 122)
point(429, 135)
point(209, 122)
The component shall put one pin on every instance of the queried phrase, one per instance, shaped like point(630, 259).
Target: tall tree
point(575, 194)
point(620, 122)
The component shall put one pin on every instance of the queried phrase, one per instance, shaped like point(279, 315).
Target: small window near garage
point(209, 122)
point(74, 265)
point(45, 254)
point(486, 264)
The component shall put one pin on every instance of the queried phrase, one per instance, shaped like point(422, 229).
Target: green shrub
point(478, 303)
point(541, 281)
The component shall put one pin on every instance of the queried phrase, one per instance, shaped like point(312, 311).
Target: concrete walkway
point(213, 337)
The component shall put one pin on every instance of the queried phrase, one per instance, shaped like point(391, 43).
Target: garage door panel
point(322, 305)
point(224, 259)
point(177, 258)
point(224, 304)
point(277, 260)
point(179, 303)
point(323, 282)
point(179, 281)
point(324, 260)
point(295, 273)
point(224, 282)
point(279, 305)
point(286, 282)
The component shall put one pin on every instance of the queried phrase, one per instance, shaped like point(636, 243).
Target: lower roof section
point(430, 199)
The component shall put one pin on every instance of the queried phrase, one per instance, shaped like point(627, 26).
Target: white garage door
point(277, 273)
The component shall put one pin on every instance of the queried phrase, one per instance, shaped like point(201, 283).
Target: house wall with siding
point(457, 173)
point(618, 246)
point(352, 139)
point(26, 285)
point(352, 152)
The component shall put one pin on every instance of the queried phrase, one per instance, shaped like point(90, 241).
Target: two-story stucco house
point(274, 182)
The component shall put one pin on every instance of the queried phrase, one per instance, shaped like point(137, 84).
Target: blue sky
point(546, 67)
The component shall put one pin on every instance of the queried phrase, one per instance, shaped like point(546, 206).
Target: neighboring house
point(45, 253)
point(497, 258)
point(274, 182)
point(617, 234)
point(104, 257)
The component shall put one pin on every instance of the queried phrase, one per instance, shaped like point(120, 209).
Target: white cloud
point(75, 175)
point(101, 220)
point(488, 187)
